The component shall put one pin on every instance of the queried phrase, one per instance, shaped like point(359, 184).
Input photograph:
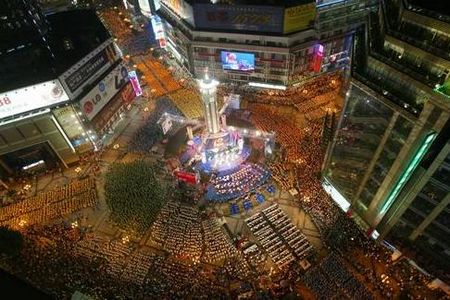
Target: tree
point(11, 241)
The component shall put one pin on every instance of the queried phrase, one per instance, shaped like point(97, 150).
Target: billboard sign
point(316, 62)
point(299, 17)
point(135, 83)
point(237, 61)
point(90, 67)
point(99, 96)
point(239, 17)
point(158, 30)
point(31, 97)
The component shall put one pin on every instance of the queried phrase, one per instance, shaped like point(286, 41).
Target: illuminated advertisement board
point(135, 83)
point(239, 17)
point(99, 96)
point(144, 5)
point(237, 61)
point(31, 97)
point(299, 17)
point(158, 29)
point(182, 9)
point(316, 62)
point(89, 68)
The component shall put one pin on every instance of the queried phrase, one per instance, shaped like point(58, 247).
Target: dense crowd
point(47, 206)
point(134, 205)
point(156, 76)
point(295, 96)
point(283, 174)
point(185, 234)
point(188, 102)
point(150, 133)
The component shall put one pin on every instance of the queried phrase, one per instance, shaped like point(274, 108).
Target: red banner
point(186, 177)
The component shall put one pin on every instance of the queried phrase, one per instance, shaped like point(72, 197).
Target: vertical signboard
point(135, 83)
point(316, 62)
point(158, 29)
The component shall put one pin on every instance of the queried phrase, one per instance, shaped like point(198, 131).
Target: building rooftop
point(287, 3)
point(70, 37)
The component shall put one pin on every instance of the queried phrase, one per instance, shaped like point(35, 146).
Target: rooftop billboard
point(239, 17)
point(31, 98)
point(299, 17)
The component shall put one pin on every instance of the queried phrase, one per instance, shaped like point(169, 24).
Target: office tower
point(387, 161)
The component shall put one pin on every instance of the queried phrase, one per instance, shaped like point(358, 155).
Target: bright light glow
point(31, 97)
point(63, 134)
point(35, 164)
point(409, 170)
point(336, 195)
point(267, 86)
point(375, 234)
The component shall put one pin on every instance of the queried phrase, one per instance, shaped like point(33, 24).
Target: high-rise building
point(278, 43)
point(388, 160)
point(63, 86)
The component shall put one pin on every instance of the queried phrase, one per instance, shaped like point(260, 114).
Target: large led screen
point(238, 61)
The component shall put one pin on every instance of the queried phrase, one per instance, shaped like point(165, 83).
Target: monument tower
point(208, 88)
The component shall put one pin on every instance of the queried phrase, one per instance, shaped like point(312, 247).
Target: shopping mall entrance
point(27, 161)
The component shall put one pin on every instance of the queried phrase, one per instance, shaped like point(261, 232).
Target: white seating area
point(278, 236)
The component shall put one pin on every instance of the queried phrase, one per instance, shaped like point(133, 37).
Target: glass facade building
point(390, 154)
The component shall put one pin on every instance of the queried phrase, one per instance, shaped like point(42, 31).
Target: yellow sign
point(299, 17)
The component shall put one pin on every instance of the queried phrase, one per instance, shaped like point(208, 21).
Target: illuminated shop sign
point(135, 83)
point(31, 98)
point(99, 96)
point(158, 30)
point(89, 68)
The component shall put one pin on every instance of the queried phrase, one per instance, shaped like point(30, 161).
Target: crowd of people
point(156, 76)
point(295, 96)
point(218, 246)
point(134, 205)
point(188, 102)
point(279, 237)
point(332, 279)
point(114, 19)
point(150, 133)
point(47, 206)
point(178, 231)
point(234, 183)
point(183, 232)
point(287, 134)
point(283, 174)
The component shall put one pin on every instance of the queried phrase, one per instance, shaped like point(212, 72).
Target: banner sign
point(239, 17)
point(89, 68)
point(187, 177)
point(31, 97)
point(99, 96)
